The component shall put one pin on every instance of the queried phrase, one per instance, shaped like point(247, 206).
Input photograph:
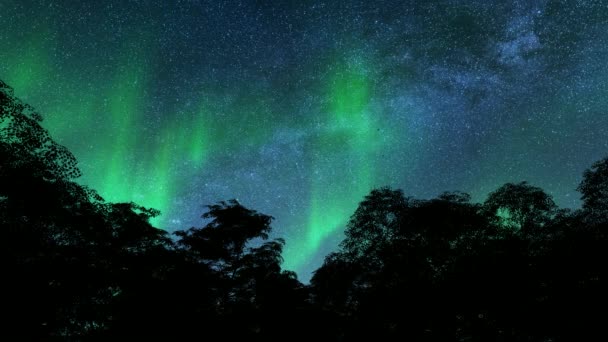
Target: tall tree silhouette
point(248, 271)
point(36, 196)
point(63, 247)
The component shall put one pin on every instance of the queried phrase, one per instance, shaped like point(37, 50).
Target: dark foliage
point(515, 268)
point(75, 267)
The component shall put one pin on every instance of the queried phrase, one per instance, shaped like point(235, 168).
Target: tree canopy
point(76, 267)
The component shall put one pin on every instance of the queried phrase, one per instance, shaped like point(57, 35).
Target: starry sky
point(300, 108)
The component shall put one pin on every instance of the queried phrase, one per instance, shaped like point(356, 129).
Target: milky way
point(300, 108)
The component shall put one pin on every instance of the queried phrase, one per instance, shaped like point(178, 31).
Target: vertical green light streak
point(183, 142)
point(342, 162)
point(158, 186)
point(195, 141)
point(127, 163)
point(125, 109)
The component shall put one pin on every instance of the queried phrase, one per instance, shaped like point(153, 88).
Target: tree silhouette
point(247, 276)
point(594, 190)
point(448, 269)
point(521, 207)
point(75, 267)
point(374, 224)
point(40, 244)
point(63, 247)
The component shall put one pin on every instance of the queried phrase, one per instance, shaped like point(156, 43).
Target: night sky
point(300, 108)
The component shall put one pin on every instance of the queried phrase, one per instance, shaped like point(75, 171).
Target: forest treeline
point(76, 267)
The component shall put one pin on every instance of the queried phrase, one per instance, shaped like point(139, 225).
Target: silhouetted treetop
point(520, 207)
point(20, 131)
point(455, 196)
point(374, 223)
point(594, 189)
point(65, 251)
point(230, 228)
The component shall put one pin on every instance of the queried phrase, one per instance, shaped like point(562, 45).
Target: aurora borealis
point(300, 108)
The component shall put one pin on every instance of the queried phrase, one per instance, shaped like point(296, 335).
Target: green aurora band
point(106, 109)
point(116, 164)
point(113, 159)
point(350, 135)
point(161, 109)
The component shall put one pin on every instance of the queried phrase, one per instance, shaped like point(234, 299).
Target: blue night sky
point(300, 108)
